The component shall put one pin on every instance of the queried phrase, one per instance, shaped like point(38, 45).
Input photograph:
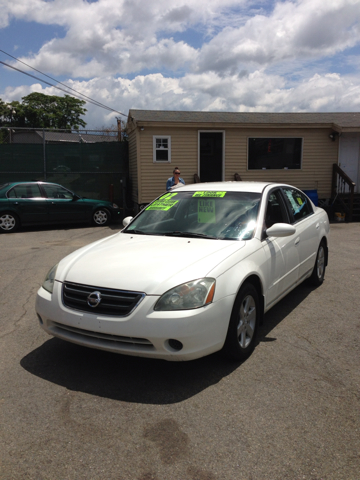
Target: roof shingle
point(341, 119)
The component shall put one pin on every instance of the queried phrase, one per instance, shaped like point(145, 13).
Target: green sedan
point(34, 203)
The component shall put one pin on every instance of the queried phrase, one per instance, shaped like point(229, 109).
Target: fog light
point(175, 344)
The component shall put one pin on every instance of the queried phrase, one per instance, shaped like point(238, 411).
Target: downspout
point(138, 164)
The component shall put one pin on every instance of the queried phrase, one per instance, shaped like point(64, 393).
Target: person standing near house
point(175, 180)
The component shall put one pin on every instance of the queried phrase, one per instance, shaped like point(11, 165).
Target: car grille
point(118, 303)
point(98, 339)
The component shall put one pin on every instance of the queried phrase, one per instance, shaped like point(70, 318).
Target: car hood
point(149, 264)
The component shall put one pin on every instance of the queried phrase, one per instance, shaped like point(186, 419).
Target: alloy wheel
point(247, 321)
point(320, 264)
point(7, 222)
point(100, 217)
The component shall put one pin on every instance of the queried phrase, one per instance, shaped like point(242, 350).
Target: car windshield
point(202, 214)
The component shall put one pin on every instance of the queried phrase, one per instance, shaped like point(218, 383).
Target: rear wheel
point(241, 336)
point(9, 222)
point(101, 217)
point(318, 274)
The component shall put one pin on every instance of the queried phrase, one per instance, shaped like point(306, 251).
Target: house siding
point(133, 165)
point(319, 153)
point(183, 155)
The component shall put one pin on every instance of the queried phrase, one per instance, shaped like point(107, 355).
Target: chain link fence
point(91, 163)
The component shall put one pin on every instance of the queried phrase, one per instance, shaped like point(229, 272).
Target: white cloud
point(304, 30)
point(249, 55)
point(257, 91)
point(117, 36)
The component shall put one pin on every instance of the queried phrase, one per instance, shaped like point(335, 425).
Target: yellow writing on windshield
point(164, 203)
point(210, 194)
point(206, 211)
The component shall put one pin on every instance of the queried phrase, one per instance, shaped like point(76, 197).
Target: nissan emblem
point(94, 299)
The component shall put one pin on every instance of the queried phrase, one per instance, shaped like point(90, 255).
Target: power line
point(90, 100)
point(55, 80)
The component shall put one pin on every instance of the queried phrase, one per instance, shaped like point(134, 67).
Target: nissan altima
point(193, 273)
point(36, 203)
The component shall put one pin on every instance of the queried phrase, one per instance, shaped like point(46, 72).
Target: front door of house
point(349, 156)
point(211, 156)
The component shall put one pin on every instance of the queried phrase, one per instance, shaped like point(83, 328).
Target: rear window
point(25, 190)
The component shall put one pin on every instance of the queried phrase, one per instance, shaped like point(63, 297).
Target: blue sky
point(233, 55)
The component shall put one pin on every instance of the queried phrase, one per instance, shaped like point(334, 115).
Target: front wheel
point(101, 217)
point(318, 274)
point(241, 336)
point(8, 222)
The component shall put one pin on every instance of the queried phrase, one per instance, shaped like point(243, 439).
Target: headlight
point(189, 295)
point(114, 205)
point(48, 283)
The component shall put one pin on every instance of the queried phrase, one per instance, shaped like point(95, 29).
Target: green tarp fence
point(93, 170)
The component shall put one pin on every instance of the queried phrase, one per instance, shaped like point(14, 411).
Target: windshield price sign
point(164, 203)
point(206, 211)
point(210, 194)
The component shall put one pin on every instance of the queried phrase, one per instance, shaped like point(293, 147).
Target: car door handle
point(297, 241)
point(16, 203)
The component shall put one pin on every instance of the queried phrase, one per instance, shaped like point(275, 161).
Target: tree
point(3, 111)
point(43, 111)
point(7, 117)
point(7, 113)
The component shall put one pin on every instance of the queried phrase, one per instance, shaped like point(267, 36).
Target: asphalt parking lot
point(290, 412)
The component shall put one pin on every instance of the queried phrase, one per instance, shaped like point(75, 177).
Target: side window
point(298, 203)
point(56, 191)
point(161, 149)
point(25, 190)
point(275, 211)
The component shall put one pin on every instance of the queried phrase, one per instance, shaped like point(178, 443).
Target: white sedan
point(191, 274)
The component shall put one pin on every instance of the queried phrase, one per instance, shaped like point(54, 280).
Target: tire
point(101, 217)
point(243, 325)
point(9, 222)
point(318, 274)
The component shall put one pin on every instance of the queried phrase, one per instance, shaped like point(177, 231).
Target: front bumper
point(144, 333)
point(115, 213)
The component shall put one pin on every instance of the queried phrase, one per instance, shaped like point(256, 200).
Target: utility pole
point(119, 128)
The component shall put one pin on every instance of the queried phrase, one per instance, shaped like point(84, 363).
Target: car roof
point(12, 184)
point(5, 187)
point(256, 187)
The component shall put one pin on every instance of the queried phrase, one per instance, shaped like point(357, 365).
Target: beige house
point(295, 148)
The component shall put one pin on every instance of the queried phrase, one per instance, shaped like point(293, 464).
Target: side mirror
point(127, 220)
point(280, 230)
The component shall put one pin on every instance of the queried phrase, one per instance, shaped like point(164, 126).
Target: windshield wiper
point(188, 234)
point(140, 232)
point(230, 238)
point(137, 232)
